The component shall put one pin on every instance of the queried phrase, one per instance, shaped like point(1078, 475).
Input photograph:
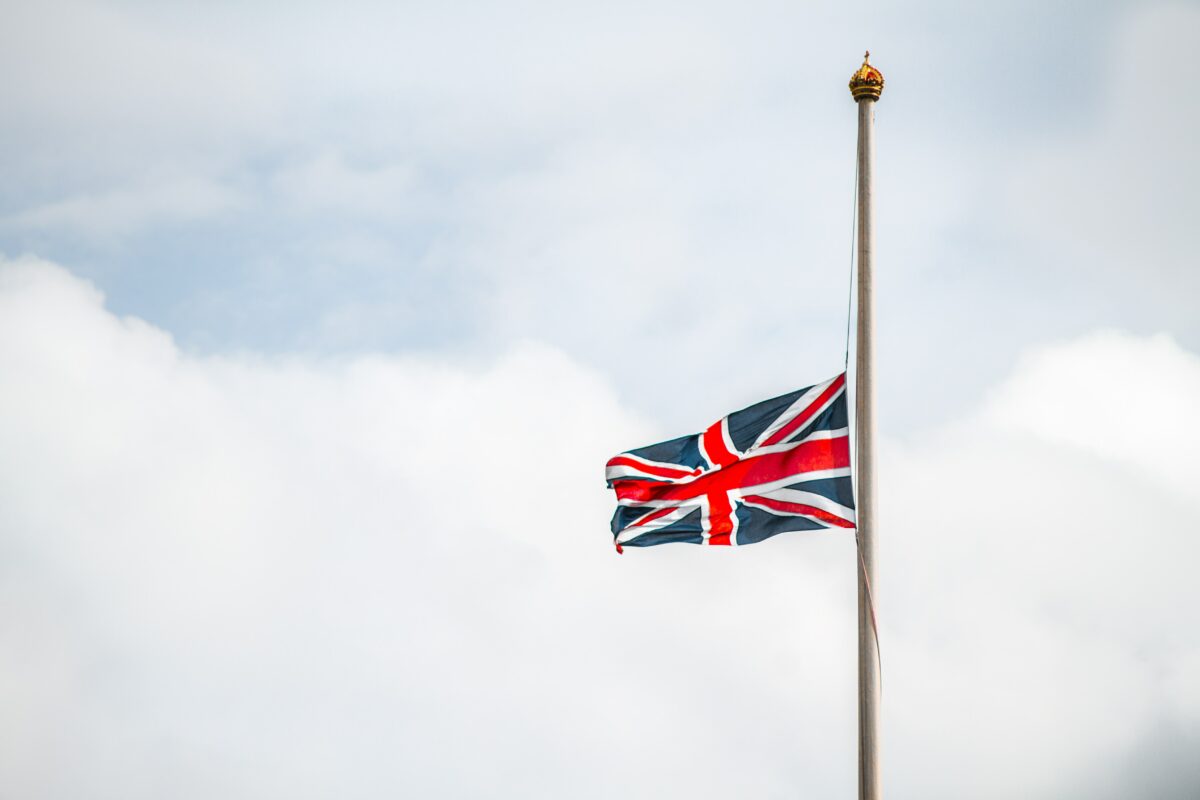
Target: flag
point(780, 465)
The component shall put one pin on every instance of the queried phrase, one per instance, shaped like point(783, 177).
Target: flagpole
point(866, 86)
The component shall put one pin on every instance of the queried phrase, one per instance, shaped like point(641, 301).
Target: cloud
point(466, 177)
point(1111, 205)
point(327, 184)
point(375, 575)
point(1121, 399)
point(245, 576)
point(1038, 577)
point(438, 177)
point(112, 214)
point(108, 91)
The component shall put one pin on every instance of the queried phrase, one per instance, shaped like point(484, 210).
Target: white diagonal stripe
point(801, 403)
point(770, 486)
point(630, 533)
point(626, 470)
point(810, 499)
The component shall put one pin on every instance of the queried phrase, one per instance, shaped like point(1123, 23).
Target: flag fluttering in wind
point(780, 465)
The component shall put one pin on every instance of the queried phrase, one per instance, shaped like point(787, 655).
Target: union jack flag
point(780, 465)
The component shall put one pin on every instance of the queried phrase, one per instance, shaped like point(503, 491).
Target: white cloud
point(616, 181)
point(1115, 203)
point(327, 184)
point(1126, 400)
point(244, 575)
point(112, 214)
point(1039, 573)
point(107, 91)
point(371, 576)
point(386, 575)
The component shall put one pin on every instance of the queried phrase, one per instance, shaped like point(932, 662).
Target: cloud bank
point(244, 576)
point(468, 176)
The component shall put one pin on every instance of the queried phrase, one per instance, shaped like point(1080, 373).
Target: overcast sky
point(318, 324)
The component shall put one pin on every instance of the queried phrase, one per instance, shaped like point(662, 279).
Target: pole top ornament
point(867, 82)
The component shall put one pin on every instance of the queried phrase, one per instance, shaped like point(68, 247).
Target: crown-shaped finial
point(867, 82)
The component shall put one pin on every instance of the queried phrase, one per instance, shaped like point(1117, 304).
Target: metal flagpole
point(866, 86)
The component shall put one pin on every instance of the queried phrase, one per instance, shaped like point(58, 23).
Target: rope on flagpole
point(862, 564)
point(850, 283)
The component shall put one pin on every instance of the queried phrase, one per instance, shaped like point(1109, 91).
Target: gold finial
point(867, 82)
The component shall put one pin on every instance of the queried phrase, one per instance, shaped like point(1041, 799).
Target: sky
point(317, 326)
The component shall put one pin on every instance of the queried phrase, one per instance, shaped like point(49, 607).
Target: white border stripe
point(761, 451)
point(733, 517)
point(761, 488)
point(729, 441)
point(703, 452)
